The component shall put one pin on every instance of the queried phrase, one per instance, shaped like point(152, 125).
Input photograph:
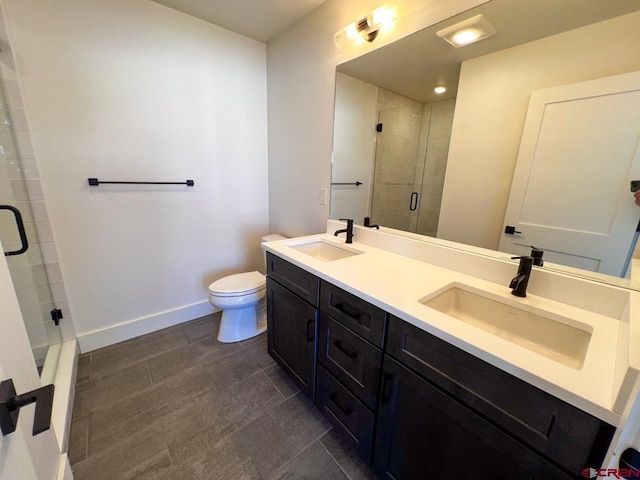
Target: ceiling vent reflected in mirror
point(468, 31)
point(367, 28)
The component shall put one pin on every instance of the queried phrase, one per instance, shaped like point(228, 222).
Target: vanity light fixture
point(468, 31)
point(367, 28)
point(440, 90)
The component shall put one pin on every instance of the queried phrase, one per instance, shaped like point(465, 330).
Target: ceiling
point(257, 19)
point(413, 66)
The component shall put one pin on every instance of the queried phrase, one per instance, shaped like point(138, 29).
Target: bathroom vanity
point(383, 346)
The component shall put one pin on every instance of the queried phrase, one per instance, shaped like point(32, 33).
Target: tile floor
point(179, 405)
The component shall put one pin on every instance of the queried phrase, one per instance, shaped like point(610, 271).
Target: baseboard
point(141, 326)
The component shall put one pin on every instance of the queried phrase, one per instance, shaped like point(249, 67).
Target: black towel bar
point(357, 184)
point(94, 182)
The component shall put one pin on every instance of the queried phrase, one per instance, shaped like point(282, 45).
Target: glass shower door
point(393, 201)
point(21, 201)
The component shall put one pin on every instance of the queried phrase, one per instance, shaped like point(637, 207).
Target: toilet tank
point(272, 238)
point(269, 238)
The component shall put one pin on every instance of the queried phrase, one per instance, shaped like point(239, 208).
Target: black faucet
point(367, 223)
point(521, 280)
point(348, 230)
point(536, 253)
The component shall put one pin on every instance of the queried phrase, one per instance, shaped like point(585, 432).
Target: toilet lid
point(240, 283)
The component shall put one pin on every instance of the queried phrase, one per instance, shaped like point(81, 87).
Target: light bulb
point(384, 17)
point(467, 35)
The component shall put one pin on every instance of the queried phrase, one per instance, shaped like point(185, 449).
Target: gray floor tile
point(78, 437)
point(152, 468)
point(248, 399)
point(257, 338)
point(206, 351)
point(125, 458)
point(92, 394)
point(216, 411)
point(314, 463)
point(106, 361)
point(282, 381)
point(202, 327)
point(110, 424)
point(279, 435)
point(227, 459)
point(346, 457)
point(241, 364)
point(84, 367)
point(192, 430)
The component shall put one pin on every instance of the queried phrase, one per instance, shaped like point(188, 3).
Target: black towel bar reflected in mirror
point(94, 182)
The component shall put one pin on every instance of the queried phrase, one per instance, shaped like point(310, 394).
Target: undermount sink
point(561, 339)
point(324, 251)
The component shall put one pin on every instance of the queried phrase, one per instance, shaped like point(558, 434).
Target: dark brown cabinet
point(414, 405)
point(350, 341)
point(535, 433)
point(424, 433)
point(292, 322)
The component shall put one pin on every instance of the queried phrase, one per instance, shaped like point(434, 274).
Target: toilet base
point(239, 324)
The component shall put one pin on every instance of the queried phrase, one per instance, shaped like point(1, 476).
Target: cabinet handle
point(346, 410)
point(310, 336)
point(386, 393)
point(347, 310)
point(351, 355)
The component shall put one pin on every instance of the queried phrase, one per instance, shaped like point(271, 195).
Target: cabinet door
point(291, 334)
point(424, 433)
point(557, 430)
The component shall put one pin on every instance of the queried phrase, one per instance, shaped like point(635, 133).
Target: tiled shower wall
point(411, 156)
point(395, 160)
point(434, 148)
point(36, 274)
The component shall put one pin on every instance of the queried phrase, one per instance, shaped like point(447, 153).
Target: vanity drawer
point(359, 315)
point(345, 412)
point(352, 360)
point(563, 433)
point(299, 281)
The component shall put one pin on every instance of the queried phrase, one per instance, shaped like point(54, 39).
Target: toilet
point(242, 299)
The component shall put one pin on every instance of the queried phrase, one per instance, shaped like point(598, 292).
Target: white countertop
point(396, 283)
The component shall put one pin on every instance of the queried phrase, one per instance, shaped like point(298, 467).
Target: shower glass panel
point(20, 188)
point(410, 165)
point(396, 168)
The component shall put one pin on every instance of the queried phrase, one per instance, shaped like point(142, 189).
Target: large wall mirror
point(534, 141)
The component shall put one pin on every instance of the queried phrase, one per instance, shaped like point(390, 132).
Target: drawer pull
point(347, 311)
point(351, 355)
point(346, 410)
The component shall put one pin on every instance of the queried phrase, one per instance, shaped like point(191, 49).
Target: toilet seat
point(238, 285)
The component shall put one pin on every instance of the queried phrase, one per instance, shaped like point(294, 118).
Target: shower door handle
point(413, 201)
point(10, 405)
point(20, 224)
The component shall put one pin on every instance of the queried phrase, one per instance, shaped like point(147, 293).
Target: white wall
point(301, 83)
point(124, 90)
point(353, 147)
point(490, 111)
